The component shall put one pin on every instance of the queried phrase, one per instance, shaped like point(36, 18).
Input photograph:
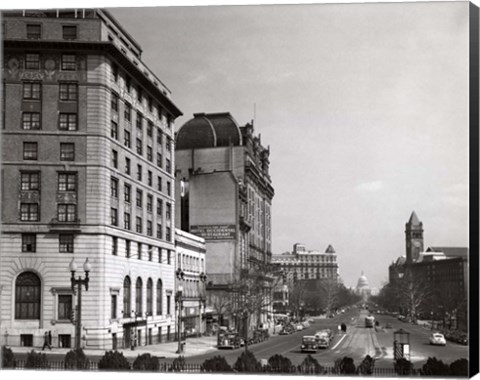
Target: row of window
point(65, 243)
point(68, 91)
point(30, 180)
point(128, 171)
point(128, 312)
point(167, 259)
point(34, 31)
point(127, 224)
point(68, 62)
point(67, 121)
point(30, 151)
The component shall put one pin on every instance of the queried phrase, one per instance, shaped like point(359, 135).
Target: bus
point(369, 321)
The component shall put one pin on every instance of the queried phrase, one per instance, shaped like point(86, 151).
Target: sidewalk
point(192, 347)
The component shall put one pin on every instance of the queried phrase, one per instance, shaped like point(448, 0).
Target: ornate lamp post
point(179, 302)
point(79, 282)
point(203, 279)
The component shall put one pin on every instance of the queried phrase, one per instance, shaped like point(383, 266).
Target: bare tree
point(413, 292)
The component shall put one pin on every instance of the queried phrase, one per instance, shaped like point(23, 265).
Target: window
point(31, 120)
point(168, 165)
point(69, 62)
point(128, 83)
point(127, 193)
point(160, 112)
point(138, 296)
point(139, 146)
point(127, 165)
point(34, 31)
point(127, 294)
point(65, 242)
point(68, 91)
point(114, 159)
point(138, 225)
point(160, 255)
point(149, 128)
point(169, 188)
point(159, 183)
point(64, 306)
point(29, 243)
point(139, 172)
point(139, 249)
point(114, 102)
point(159, 137)
point(149, 153)
point(67, 121)
point(66, 212)
point(30, 181)
point(67, 182)
point(159, 160)
point(126, 138)
point(149, 203)
point(126, 221)
point(114, 245)
point(69, 32)
point(169, 257)
point(29, 212)
point(168, 144)
point(27, 296)
point(115, 72)
point(139, 121)
point(32, 90)
point(67, 151)
point(159, 297)
point(168, 309)
point(149, 229)
point(149, 297)
point(114, 130)
point(159, 207)
point(32, 61)
point(168, 234)
point(168, 213)
point(127, 248)
point(150, 178)
point(30, 150)
point(150, 253)
point(113, 306)
point(159, 231)
point(127, 113)
point(114, 216)
point(139, 94)
point(139, 197)
point(150, 104)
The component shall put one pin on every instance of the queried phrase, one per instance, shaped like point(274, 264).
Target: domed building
point(363, 289)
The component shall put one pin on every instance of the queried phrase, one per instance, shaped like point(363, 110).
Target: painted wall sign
point(215, 232)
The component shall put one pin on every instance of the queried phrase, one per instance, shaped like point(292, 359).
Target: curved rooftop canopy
point(209, 131)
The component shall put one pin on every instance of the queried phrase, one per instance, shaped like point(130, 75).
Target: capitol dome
point(362, 282)
point(363, 289)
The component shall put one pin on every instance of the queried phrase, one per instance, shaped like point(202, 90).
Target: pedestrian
point(50, 338)
point(46, 341)
point(339, 328)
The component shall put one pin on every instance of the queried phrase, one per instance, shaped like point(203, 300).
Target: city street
point(358, 342)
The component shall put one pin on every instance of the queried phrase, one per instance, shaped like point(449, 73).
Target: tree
point(76, 359)
point(413, 292)
point(114, 360)
point(36, 360)
point(367, 366)
point(435, 367)
point(310, 365)
point(216, 364)
point(146, 362)
point(403, 367)
point(344, 366)
point(296, 296)
point(8, 358)
point(247, 363)
point(280, 364)
point(459, 368)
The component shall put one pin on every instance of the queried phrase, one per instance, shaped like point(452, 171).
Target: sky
point(364, 107)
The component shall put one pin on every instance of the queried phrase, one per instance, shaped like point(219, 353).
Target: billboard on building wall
point(215, 232)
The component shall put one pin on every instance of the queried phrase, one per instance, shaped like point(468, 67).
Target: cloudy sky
point(364, 106)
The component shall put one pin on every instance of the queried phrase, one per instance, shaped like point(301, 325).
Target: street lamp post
point(203, 279)
point(79, 282)
point(179, 302)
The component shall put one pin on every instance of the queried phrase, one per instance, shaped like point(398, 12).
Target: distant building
point(302, 264)
point(224, 195)
point(363, 289)
point(87, 173)
point(443, 271)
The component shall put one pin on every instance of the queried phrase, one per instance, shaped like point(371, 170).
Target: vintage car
point(309, 344)
point(228, 339)
point(438, 339)
point(322, 338)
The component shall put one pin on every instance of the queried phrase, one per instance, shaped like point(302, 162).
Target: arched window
point(127, 296)
point(150, 296)
point(159, 297)
point(138, 296)
point(27, 296)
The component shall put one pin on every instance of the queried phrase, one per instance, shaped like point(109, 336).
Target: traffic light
point(72, 316)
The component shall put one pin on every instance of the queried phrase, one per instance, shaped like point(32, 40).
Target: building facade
point(224, 194)
point(442, 273)
point(87, 173)
point(191, 281)
point(302, 264)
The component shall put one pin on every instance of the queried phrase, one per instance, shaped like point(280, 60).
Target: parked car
point(309, 344)
point(299, 327)
point(437, 339)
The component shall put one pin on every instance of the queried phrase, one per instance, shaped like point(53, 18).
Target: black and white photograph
point(258, 188)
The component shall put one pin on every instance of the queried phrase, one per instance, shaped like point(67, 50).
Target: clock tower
point(413, 238)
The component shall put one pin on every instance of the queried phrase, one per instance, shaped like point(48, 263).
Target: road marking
point(343, 337)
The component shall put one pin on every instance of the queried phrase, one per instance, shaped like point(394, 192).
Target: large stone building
point(87, 173)
point(302, 264)
point(363, 288)
point(224, 195)
point(440, 272)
